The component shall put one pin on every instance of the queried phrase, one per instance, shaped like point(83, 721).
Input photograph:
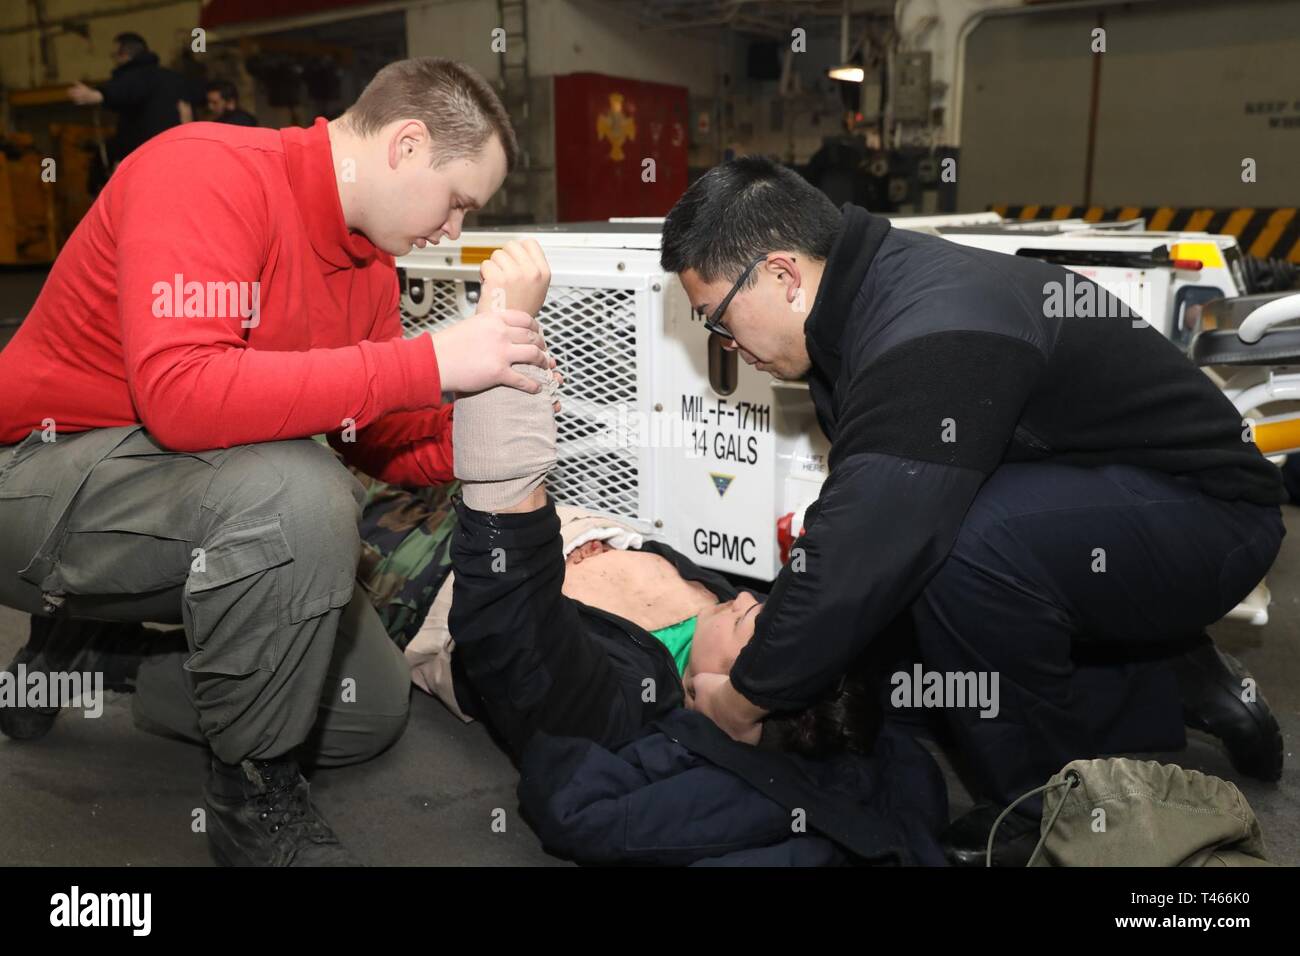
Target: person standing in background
point(146, 96)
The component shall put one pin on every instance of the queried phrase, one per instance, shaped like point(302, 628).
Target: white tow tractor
point(665, 429)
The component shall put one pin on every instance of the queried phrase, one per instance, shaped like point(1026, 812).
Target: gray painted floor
point(101, 792)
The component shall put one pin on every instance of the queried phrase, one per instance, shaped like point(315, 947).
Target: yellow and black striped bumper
point(1266, 233)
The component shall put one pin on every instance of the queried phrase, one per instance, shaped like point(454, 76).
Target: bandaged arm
point(504, 442)
point(527, 658)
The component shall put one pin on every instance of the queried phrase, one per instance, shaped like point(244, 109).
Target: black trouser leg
point(1073, 586)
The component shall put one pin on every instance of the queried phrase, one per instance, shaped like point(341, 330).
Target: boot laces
point(285, 806)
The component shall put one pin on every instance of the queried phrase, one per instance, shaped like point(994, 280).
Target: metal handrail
point(1253, 326)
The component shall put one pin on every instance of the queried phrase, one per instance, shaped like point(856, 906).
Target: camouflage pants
point(405, 552)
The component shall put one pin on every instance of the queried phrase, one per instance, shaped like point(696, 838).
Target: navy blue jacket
point(683, 793)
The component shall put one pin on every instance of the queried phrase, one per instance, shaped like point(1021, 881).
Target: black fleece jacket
point(933, 363)
point(144, 95)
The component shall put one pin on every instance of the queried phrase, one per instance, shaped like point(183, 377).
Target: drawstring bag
point(1123, 812)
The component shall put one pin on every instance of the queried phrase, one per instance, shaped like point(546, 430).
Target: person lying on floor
point(406, 572)
point(594, 661)
point(561, 645)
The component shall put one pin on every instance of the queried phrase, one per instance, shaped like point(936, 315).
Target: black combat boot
point(261, 814)
point(965, 841)
point(1213, 686)
point(65, 645)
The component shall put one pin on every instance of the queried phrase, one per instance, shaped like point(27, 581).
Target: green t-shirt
point(677, 638)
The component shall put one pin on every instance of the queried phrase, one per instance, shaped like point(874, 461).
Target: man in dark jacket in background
point(1061, 504)
point(223, 104)
point(145, 95)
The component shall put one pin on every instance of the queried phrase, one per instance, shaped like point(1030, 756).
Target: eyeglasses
point(714, 322)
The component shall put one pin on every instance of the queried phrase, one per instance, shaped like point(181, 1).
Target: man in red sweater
point(230, 294)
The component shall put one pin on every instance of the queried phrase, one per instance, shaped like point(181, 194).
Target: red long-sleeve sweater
point(142, 318)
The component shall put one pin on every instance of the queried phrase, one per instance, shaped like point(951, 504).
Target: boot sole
point(215, 849)
point(26, 723)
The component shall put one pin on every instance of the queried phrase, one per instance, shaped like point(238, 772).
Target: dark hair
point(132, 44)
point(847, 719)
point(743, 209)
point(225, 88)
point(458, 107)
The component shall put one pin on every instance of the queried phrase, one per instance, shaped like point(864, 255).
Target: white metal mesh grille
point(432, 304)
point(592, 333)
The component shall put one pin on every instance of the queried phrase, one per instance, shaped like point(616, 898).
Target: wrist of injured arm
point(535, 500)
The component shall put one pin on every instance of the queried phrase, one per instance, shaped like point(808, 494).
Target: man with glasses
point(1062, 505)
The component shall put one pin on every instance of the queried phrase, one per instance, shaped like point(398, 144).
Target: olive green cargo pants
point(253, 549)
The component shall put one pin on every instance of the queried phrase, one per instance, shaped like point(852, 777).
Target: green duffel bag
point(1123, 812)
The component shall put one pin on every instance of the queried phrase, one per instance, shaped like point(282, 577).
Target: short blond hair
point(458, 107)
